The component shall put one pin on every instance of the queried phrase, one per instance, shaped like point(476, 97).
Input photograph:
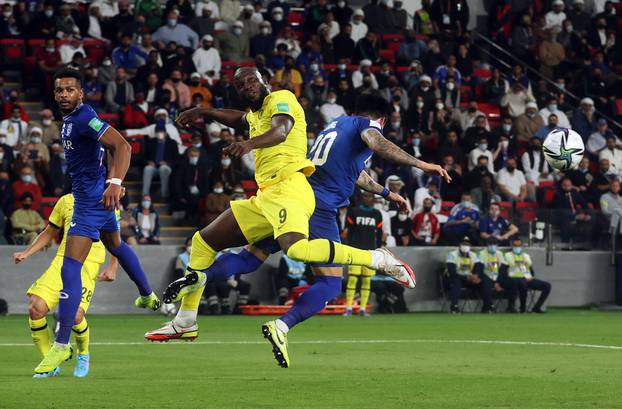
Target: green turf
point(427, 373)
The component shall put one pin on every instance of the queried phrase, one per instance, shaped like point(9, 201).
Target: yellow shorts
point(50, 283)
point(284, 207)
point(361, 271)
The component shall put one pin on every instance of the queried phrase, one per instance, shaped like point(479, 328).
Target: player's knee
point(37, 308)
point(299, 251)
point(79, 316)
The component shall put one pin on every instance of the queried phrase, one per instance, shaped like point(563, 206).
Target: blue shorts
point(322, 225)
point(90, 217)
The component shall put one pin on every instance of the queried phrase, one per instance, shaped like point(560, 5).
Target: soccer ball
point(563, 149)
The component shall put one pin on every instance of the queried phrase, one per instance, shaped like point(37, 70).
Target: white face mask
point(507, 127)
point(396, 124)
point(439, 106)
point(172, 22)
point(35, 139)
point(146, 204)
point(483, 146)
point(419, 104)
point(467, 205)
point(265, 30)
point(331, 100)
point(402, 217)
point(277, 16)
point(464, 248)
point(225, 162)
point(342, 67)
point(451, 86)
point(46, 122)
point(425, 88)
point(3, 140)
point(218, 190)
point(237, 31)
point(193, 160)
point(341, 4)
point(26, 178)
point(356, 22)
point(552, 107)
point(50, 49)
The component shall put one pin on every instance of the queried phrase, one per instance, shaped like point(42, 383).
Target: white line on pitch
point(359, 341)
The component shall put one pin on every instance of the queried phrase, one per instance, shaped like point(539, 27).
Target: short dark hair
point(69, 73)
point(26, 195)
point(373, 104)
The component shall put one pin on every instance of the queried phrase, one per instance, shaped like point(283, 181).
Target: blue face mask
point(517, 250)
point(416, 142)
point(492, 249)
point(146, 204)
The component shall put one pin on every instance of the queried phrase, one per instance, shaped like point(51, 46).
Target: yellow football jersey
point(277, 162)
point(61, 217)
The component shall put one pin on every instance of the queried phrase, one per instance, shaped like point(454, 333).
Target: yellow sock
point(201, 257)
point(365, 289)
point(321, 250)
point(83, 333)
point(351, 290)
point(40, 335)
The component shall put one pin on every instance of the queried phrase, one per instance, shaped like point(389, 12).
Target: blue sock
point(229, 264)
point(313, 300)
point(131, 265)
point(69, 299)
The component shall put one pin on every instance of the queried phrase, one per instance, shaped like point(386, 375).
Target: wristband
point(115, 181)
point(385, 193)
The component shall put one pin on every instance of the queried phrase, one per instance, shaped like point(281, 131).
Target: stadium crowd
point(145, 61)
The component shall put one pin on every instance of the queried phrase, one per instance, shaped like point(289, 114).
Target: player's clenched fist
point(186, 118)
point(399, 200)
point(20, 256)
point(112, 197)
point(237, 149)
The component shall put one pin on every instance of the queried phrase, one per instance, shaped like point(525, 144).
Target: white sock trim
point(281, 326)
point(185, 318)
point(59, 345)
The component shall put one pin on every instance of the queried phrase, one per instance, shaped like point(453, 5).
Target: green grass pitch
point(564, 359)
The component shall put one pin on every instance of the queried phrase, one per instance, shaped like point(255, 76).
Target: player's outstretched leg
point(308, 304)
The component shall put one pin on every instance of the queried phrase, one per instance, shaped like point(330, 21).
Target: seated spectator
point(612, 152)
point(343, 44)
point(401, 227)
point(345, 96)
point(195, 88)
point(511, 182)
point(552, 124)
point(93, 90)
point(207, 58)
point(551, 108)
point(517, 276)
point(474, 133)
point(190, 180)
point(217, 295)
point(288, 78)
point(426, 229)
point(527, 124)
point(119, 92)
point(217, 201)
point(11, 104)
point(598, 139)
point(264, 42)
point(493, 225)
point(14, 129)
point(368, 48)
point(364, 68)
point(551, 53)
point(26, 222)
point(277, 60)
point(233, 45)
point(475, 175)
point(128, 227)
point(583, 119)
point(316, 92)
point(49, 128)
point(461, 272)
point(161, 120)
point(389, 295)
point(147, 222)
point(331, 109)
point(42, 154)
point(70, 48)
point(495, 88)
point(489, 262)
point(481, 151)
point(570, 214)
point(449, 93)
point(451, 191)
point(27, 183)
point(180, 33)
point(445, 71)
point(288, 37)
point(463, 221)
point(290, 274)
point(611, 206)
point(161, 154)
point(606, 173)
point(179, 91)
point(431, 191)
point(534, 164)
point(411, 49)
point(6, 158)
point(128, 55)
point(484, 194)
point(228, 173)
point(516, 100)
point(359, 28)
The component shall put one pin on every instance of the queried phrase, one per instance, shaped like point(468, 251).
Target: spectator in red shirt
point(26, 183)
point(426, 229)
point(48, 61)
point(11, 104)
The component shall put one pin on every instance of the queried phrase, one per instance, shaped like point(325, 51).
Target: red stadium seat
point(13, 50)
point(95, 50)
point(395, 38)
point(394, 46)
point(329, 67)
point(388, 54)
point(506, 208)
point(527, 210)
point(47, 205)
point(249, 186)
point(619, 105)
point(446, 207)
point(482, 73)
point(34, 44)
point(247, 63)
point(229, 64)
point(112, 119)
point(295, 18)
point(400, 69)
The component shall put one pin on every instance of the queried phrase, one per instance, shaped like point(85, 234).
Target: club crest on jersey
point(65, 132)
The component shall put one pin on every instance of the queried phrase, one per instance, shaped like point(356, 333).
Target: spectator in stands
point(451, 191)
point(13, 103)
point(135, 114)
point(161, 118)
point(312, 115)
point(551, 53)
point(364, 69)
point(551, 108)
point(106, 72)
point(277, 61)
point(217, 201)
point(43, 22)
point(288, 37)
point(475, 133)
point(482, 168)
point(277, 19)
point(93, 90)
point(611, 206)
point(552, 124)
point(471, 115)
point(288, 78)
point(493, 225)
point(554, 18)
point(598, 139)
point(484, 194)
point(517, 275)
point(368, 48)
point(290, 274)
point(528, 123)
point(95, 23)
point(314, 70)
point(460, 265)
point(346, 96)
point(426, 229)
point(331, 109)
point(57, 178)
point(6, 158)
point(36, 140)
point(583, 119)
point(463, 221)
point(359, 28)
point(612, 152)
point(180, 33)
point(329, 23)
point(233, 45)
point(228, 173)
point(449, 93)
point(451, 146)
point(161, 154)
point(189, 185)
point(511, 182)
point(606, 173)
point(401, 227)
point(179, 91)
point(516, 100)
point(152, 90)
point(582, 178)
point(570, 208)
point(523, 39)
point(151, 10)
point(152, 65)
point(205, 21)
point(123, 22)
point(48, 60)
point(15, 129)
point(264, 42)
point(25, 221)
point(342, 12)
point(196, 88)
point(68, 50)
point(495, 88)
point(534, 165)
point(128, 55)
point(251, 27)
point(147, 222)
point(478, 152)
point(65, 24)
point(119, 92)
point(443, 72)
point(343, 44)
point(580, 20)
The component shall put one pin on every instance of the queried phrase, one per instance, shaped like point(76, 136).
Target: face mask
point(510, 168)
point(331, 100)
point(427, 209)
point(175, 80)
point(265, 31)
point(396, 124)
point(146, 204)
point(218, 190)
point(277, 17)
point(419, 104)
point(7, 14)
point(61, 155)
point(207, 46)
point(226, 162)
point(46, 122)
point(517, 250)
point(467, 205)
point(416, 142)
point(367, 84)
point(50, 49)
point(310, 142)
point(356, 22)
point(26, 178)
point(35, 139)
point(197, 145)
point(341, 4)
point(439, 106)
point(483, 146)
point(2, 140)
point(49, 13)
point(27, 206)
point(552, 107)
point(451, 86)
point(342, 67)
point(193, 160)
point(531, 114)
point(237, 31)
point(464, 249)
point(171, 22)
point(506, 127)
point(106, 63)
point(188, 249)
point(402, 217)
point(492, 249)
point(314, 67)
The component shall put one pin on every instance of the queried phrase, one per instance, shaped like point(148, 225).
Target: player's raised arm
point(41, 241)
point(121, 154)
point(368, 184)
point(228, 117)
point(281, 125)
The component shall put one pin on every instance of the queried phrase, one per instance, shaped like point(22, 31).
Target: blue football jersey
point(80, 135)
point(339, 155)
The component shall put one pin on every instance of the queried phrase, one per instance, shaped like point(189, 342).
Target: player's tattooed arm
point(228, 117)
point(281, 125)
point(367, 183)
point(388, 150)
point(43, 240)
